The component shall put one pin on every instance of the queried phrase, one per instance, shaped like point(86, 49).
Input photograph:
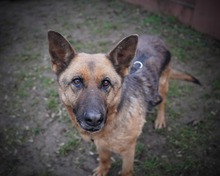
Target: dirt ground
point(36, 135)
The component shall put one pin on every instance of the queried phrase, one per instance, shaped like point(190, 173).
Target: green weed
point(147, 167)
point(104, 28)
point(174, 90)
point(103, 46)
point(185, 139)
point(150, 164)
point(82, 46)
point(64, 116)
point(171, 20)
point(23, 57)
point(52, 102)
point(216, 89)
point(179, 53)
point(68, 146)
point(180, 167)
point(22, 93)
point(152, 115)
point(24, 86)
point(216, 85)
point(47, 82)
point(153, 19)
point(48, 173)
point(140, 149)
point(37, 130)
point(73, 141)
point(171, 112)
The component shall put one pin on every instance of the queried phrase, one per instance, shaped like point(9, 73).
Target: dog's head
point(90, 84)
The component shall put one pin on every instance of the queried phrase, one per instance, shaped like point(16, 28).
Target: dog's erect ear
point(122, 55)
point(60, 51)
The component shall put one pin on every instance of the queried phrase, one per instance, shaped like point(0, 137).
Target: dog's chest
point(123, 130)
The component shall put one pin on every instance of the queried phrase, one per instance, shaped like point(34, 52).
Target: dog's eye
point(77, 82)
point(106, 84)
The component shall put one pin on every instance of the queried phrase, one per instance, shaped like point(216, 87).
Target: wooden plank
point(206, 17)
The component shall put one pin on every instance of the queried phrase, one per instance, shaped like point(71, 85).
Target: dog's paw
point(159, 124)
point(125, 174)
point(100, 171)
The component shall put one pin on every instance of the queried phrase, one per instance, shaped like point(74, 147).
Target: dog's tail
point(174, 74)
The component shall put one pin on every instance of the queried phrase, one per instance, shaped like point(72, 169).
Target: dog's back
point(152, 53)
point(152, 57)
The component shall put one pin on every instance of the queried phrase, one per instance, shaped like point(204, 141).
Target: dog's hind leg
point(163, 89)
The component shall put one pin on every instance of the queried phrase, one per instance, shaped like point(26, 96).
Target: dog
point(108, 95)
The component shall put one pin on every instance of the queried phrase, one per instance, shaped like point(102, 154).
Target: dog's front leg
point(104, 161)
point(128, 161)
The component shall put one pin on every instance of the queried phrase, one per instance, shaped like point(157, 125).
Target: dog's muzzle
point(92, 121)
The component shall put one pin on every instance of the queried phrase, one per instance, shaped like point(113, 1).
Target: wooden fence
point(202, 15)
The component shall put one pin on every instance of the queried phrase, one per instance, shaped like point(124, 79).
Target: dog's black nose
point(93, 118)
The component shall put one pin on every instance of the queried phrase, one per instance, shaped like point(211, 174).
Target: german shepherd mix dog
point(108, 95)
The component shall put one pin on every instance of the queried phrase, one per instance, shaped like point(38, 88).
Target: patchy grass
point(216, 85)
point(149, 165)
point(189, 42)
point(73, 141)
point(80, 45)
point(104, 28)
point(36, 130)
point(52, 100)
point(48, 173)
point(183, 155)
point(174, 89)
point(153, 19)
point(179, 168)
point(172, 113)
point(70, 145)
point(24, 57)
point(185, 139)
point(140, 149)
point(47, 82)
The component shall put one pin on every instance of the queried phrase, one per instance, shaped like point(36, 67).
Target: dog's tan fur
point(124, 103)
point(114, 137)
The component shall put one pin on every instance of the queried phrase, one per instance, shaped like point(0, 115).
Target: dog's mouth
point(89, 128)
